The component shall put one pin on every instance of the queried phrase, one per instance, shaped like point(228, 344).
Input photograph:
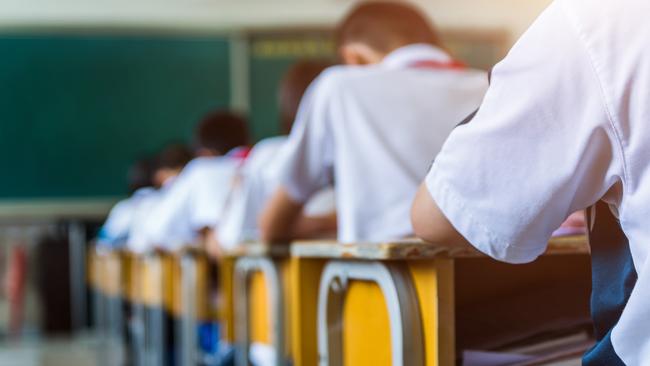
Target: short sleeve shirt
point(194, 201)
point(138, 240)
point(565, 123)
point(256, 181)
point(118, 225)
point(259, 177)
point(371, 131)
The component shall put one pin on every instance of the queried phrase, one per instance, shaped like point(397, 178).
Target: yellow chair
point(256, 301)
point(128, 289)
point(410, 303)
point(226, 307)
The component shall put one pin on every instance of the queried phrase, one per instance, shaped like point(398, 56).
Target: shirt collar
point(240, 152)
point(141, 192)
point(411, 54)
point(168, 182)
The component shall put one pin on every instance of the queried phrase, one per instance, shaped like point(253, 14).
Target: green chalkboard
point(75, 111)
point(271, 54)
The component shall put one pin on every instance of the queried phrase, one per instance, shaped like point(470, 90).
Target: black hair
point(221, 131)
point(141, 174)
point(386, 26)
point(174, 156)
point(292, 87)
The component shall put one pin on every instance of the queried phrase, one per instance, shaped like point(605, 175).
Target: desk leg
point(401, 302)
point(434, 284)
point(305, 277)
point(187, 332)
point(245, 268)
point(226, 298)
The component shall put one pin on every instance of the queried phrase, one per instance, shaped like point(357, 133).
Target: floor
point(90, 350)
point(83, 350)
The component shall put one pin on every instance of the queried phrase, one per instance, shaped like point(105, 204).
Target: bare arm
point(209, 242)
point(315, 227)
point(431, 225)
point(279, 217)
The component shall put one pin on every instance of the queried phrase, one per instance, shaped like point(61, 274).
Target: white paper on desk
point(480, 358)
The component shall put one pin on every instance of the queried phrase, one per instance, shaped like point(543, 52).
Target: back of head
point(385, 26)
point(220, 132)
point(292, 87)
point(141, 174)
point(174, 156)
point(170, 162)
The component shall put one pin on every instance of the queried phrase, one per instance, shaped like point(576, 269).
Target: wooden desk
point(414, 249)
point(410, 303)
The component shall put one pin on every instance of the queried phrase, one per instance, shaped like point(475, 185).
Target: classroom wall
point(45, 41)
point(512, 15)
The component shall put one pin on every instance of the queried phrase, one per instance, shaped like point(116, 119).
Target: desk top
point(416, 249)
point(259, 249)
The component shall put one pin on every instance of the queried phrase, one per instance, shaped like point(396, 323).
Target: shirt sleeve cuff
point(296, 193)
point(205, 220)
point(460, 213)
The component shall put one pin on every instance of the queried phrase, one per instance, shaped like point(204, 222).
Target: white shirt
point(255, 182)
point(567, 115)
point(137, 241)
point(194, 201)
point(372, 131)
point(258, 179)
point(120, 220)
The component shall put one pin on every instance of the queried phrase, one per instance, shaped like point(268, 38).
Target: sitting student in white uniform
point(371, 127)
point(260, 175)
point(565, 124)
point(167, 165)
point(115, 231)
point(192, 207)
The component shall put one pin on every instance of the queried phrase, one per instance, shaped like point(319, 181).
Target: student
point(115, 231)
point(564, 125)
point(372, 126)
point(167, 165)
point(261, 173)
point(192, 207)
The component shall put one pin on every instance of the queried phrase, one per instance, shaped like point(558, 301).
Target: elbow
point(278, 218)
point(271, 236)
point(421, 223)
point(432, 231)
point(430, 224)
point(265, 224)
point(271, 227)
point(267, 236)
